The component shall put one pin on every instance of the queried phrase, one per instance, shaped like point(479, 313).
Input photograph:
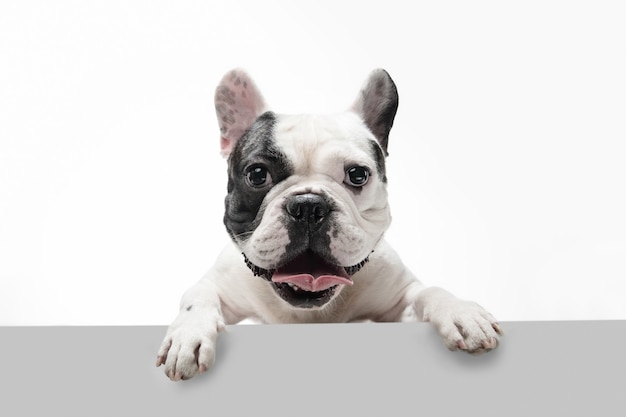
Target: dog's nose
point(308, 208)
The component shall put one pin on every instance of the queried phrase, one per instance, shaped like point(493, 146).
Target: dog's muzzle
point(308, 276)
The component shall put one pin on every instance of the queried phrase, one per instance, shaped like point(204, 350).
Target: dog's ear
point(238, 103)
point(377, 104)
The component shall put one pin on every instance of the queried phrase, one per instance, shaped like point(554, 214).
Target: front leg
point(189, 344)
point(462, 324)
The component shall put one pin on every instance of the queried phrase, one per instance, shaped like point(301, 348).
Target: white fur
point(319, 163)
point(384, 290)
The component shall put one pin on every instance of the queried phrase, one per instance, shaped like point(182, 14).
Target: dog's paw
point(462, 324)
point(186, 351)
point(467, 326)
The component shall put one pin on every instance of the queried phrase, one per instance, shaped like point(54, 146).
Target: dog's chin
point(307, 280)
point(302, 298)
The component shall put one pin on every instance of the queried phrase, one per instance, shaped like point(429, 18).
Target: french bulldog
point(306, 210)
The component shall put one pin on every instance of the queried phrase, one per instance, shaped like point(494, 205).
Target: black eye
point(357, 176)
point(257, 176)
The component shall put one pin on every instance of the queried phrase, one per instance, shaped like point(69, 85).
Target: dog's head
point(307, 199)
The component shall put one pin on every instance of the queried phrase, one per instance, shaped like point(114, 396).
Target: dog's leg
point(462, 324)
point(189, 344)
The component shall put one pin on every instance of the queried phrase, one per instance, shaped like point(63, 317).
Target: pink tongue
point(310, 283)
point(310, 273)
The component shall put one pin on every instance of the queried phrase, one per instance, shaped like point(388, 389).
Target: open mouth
point(308, 280)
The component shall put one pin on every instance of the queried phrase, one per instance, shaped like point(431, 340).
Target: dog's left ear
point(377, 104)
point(238, 103)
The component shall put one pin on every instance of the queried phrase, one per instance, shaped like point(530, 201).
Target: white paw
point(464, 325)
point(187, 350)
point(467, 326)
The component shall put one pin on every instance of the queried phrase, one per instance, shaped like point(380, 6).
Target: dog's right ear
point(377, 104)
point(238, 103)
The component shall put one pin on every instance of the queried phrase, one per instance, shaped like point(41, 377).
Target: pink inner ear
point(225, 146)
point(238, 103)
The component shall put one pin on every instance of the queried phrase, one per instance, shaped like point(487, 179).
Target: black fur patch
point(378, 105)
point(243, 204)
point(379, 156)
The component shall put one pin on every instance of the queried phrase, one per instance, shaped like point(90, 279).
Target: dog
point(306, 210)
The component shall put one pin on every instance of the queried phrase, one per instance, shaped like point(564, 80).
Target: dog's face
point(307, 199)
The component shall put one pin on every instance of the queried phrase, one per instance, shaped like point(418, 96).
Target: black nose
point(308, 208)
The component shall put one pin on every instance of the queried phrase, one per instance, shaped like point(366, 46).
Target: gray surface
point(541, 368)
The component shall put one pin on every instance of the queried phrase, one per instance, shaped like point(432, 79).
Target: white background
point(506, 167)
